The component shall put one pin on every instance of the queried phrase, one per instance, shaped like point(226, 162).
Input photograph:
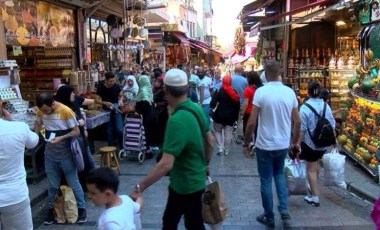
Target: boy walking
point(121, 213)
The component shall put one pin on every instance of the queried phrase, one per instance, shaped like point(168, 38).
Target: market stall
point(360, 131)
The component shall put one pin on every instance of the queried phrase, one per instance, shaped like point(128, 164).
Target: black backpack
point(323, 135)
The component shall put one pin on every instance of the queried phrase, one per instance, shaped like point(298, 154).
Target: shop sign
point(29, 23)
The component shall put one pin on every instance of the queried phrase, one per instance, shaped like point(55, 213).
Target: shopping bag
point(58, 208)
point(295, 173)
point(214, 207)
point(375, 214)
point(77, 149)
point(333, 169)
point(70, 204)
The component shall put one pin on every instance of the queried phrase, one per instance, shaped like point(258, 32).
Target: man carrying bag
point(186, 154)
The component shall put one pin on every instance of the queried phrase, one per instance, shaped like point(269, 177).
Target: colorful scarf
point(226, 85)
point(145, 91)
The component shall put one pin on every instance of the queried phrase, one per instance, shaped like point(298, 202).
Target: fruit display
point(360, 134)
point(340, 78)
point(367, 77)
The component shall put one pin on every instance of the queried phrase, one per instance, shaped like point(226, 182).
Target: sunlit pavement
point(240, 182)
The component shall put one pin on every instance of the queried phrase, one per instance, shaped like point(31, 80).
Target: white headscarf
point(134, 88)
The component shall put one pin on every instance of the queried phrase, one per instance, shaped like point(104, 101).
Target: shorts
point(310, 155)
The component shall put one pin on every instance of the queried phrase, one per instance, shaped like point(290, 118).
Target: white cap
point(176, 78)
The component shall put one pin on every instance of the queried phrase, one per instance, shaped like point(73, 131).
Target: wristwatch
point(137, 188)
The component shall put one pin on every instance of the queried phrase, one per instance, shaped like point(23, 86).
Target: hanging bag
point(214, 207)
point(333, 165)
point(295, 172)
point(77, 149)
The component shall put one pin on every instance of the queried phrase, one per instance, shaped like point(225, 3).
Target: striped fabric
point(134, 133)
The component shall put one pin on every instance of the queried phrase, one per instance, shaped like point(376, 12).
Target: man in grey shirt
point(239, 83)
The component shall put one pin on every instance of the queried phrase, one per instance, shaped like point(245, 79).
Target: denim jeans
point(115, 125)
point(53, 170)
point(206, 110)
point(271, 164)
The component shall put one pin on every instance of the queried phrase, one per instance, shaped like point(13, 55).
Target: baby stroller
point(134, 146)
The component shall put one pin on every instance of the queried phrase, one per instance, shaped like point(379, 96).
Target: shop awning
point(198, 47)
point(156, 16)
point(254, 7)
point(301, 20)
point(306, 7)
point(180, 37)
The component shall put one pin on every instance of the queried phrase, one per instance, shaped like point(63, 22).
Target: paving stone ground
point(240, 182)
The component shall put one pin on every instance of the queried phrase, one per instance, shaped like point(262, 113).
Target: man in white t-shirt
point(276, 107)
point(15, 212)
point(121, 213)
point(204, 91)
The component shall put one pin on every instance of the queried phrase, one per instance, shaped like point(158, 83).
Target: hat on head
point(176, 78)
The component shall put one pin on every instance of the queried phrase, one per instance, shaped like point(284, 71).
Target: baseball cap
point(176, 78)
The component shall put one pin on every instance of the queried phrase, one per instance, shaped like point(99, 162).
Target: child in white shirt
point(121, 213)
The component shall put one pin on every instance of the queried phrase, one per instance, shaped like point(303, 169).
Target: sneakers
point(220, 152)
point(50, 217)
point(313, 200)
point(226, 153)
point(286, 219)
point(82, 216)
point(268, 221)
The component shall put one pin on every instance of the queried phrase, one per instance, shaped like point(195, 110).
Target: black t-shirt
point(109, 94)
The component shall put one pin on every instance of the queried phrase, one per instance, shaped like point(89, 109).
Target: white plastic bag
point(333, 165)
point(295, 173)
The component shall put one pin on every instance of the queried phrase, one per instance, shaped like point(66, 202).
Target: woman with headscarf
point(66, 96)
point(225, 105)
point(130, 89)
point(144, 106)
point(161, 108)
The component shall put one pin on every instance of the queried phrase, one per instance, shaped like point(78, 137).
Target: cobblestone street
point(240, 182)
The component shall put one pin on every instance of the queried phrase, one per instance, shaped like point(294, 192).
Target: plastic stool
point(109, 158)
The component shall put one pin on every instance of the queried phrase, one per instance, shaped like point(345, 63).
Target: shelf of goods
point(360, 133)
point(308, 75)
point(42, 68)
point(339, 86)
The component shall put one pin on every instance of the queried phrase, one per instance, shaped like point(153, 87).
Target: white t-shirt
point(206, 83)
point(122, 217)
point(14, 138)
point(276, 103)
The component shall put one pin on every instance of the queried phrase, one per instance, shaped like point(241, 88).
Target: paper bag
point(214, 207)
point(70, 204)
point(58, 206)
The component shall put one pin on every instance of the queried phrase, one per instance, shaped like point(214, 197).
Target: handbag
point(295, 172)
point(76, 149)
point(214, 206)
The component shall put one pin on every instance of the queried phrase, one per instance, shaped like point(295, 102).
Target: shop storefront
point(177, 46)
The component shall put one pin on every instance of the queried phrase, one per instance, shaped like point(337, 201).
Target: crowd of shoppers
point(266, 113)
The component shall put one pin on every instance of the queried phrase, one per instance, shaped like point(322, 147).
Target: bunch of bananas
point(368, 55)
point(361, 70)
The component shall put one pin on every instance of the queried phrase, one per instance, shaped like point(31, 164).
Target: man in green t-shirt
point(186, 154)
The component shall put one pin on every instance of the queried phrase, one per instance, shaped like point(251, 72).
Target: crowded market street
point(240, 182)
